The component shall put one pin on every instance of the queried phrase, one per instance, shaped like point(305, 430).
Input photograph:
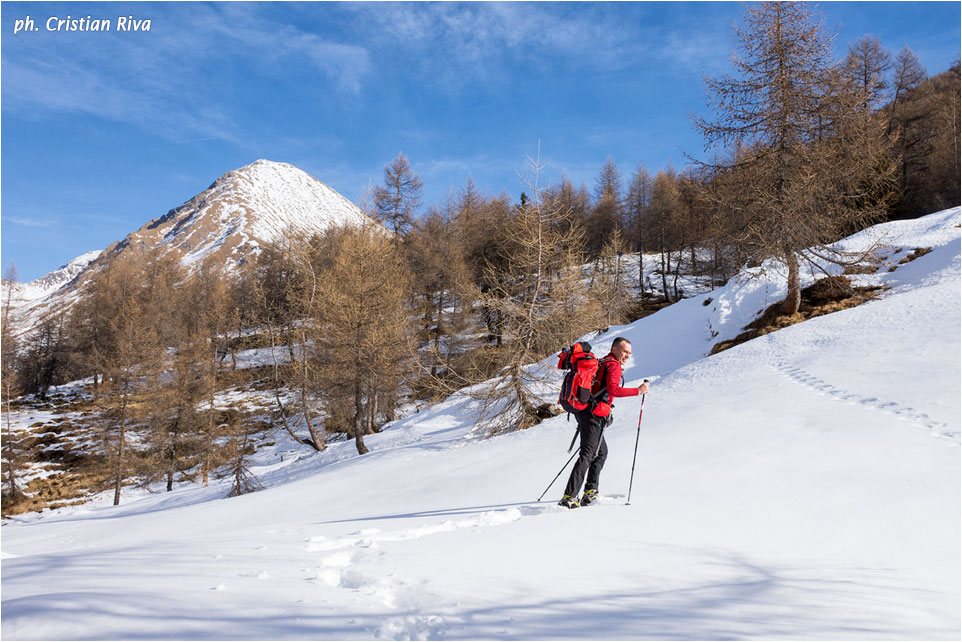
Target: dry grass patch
point(825, 296)
point(645, 306)
point(916, 253)
point(87, 475)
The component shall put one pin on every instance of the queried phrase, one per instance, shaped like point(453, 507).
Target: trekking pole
point(635, 457)
point(558, 475)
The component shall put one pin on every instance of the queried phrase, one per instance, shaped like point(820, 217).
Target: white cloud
point(176, 80)
point(460, 42)
point(26, 222)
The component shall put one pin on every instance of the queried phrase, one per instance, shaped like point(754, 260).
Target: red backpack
point(576, 387)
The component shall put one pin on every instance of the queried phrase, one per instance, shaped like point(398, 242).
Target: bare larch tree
point(811, 162)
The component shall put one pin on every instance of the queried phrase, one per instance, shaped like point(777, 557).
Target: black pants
point(590, 428)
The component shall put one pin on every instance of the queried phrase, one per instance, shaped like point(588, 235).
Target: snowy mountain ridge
point(802, 485)
point(52, 281)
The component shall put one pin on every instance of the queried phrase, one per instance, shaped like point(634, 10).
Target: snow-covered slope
point(802, 485)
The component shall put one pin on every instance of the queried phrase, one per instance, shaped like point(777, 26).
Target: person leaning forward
point(592, 422)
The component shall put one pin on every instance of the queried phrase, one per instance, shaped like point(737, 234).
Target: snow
point(805, 484)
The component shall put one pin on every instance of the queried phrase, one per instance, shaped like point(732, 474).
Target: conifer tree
point(867, 65)
point(607, 214)
point(638, 202)
point(133, 358)
point(663, 222)
point(239, 449)
point(441, 277)
point(43, 359)
point(209, 296)
point(363, 332)
point(609, 283)
point(397, 201)
point(283, 287)
point(907, 76)
point(478, 223)
point(538, 294)
point(813, 164)
point(13, 492)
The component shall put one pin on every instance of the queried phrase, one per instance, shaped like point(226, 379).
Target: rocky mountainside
point(240, 211)
point(229, 221)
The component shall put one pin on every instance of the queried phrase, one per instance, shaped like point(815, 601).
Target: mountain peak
point(229, 221)
point(242, 210)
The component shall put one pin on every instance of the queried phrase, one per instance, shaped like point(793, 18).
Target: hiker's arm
point(614, 385)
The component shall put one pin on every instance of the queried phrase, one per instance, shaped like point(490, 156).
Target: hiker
point(592, 422)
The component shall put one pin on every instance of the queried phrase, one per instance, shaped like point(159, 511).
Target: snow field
point(804, 485)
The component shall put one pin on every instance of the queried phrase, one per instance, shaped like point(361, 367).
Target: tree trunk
point(437, 335)
point(517, 383)
point(675, 273)
point(119, 471)
point(794, 298)
point(209, 438)
point(172, 453)
point(665, 267)
point(372, 412)
point(358, 415)
point(318, 438)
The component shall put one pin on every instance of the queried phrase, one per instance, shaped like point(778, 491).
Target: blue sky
point(102, 132)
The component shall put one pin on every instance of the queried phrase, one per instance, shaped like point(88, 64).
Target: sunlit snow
point(805, 484)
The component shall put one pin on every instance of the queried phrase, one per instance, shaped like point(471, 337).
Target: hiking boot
point(569, 502)
point(590, 497)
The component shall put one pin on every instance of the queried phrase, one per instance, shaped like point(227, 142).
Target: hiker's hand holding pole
point(644, 387)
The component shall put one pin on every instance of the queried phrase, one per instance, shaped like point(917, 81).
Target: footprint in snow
point(413, 627)
point(907, 413)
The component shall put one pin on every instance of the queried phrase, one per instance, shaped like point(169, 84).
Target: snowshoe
point(569, 502)
point(590, 497)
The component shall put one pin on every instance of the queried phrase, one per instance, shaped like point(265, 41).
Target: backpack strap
point(602, 376)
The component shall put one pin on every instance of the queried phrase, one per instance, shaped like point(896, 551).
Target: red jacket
point(612, 370)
